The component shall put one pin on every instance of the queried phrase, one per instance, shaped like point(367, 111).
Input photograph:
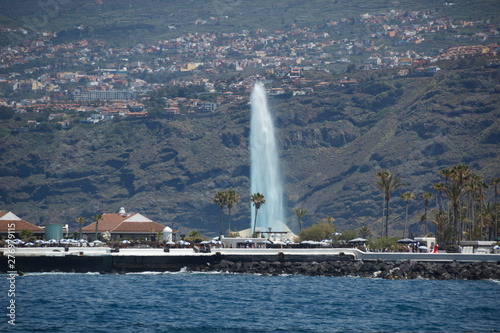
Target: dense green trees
point(460, 212)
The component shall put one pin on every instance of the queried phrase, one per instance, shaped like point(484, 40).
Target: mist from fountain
point(265, 174)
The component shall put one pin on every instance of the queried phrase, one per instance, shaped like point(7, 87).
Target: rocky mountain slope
point(333, 142)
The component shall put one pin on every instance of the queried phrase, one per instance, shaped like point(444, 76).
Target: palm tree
point(444, 231)
point(470, 190)
point(446, 174)
point(300, 214)
point(426, 196)
point(232, 199)
point(494, 182)
point(421, 218)
point(257, 199)
point(388, 183)
point(482, 186)
point(381, 183)
point(328, 219)
point(220, 199)
point(489, 220)
point(97, 218)
point(364, 231)
point(81, 220)
point(407, 197)
point(460, 174)
point(454, 193)
point(438, 187)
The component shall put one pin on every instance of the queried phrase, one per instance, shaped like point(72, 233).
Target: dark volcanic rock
point(401, 270)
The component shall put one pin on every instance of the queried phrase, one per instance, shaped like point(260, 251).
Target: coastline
point(309, 262)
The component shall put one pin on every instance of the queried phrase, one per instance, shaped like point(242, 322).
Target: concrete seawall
point(104, 259)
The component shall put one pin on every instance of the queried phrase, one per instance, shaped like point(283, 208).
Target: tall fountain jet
point(265, 175)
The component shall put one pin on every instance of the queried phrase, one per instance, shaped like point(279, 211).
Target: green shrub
point(317, 232)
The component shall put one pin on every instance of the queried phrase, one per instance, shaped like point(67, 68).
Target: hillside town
point(90, 76)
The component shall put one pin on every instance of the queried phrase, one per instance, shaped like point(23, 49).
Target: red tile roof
point(7, 220)
point(118, 223)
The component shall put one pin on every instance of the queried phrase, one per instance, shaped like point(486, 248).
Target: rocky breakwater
point(396, 270)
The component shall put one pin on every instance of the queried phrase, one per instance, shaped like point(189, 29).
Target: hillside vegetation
point(332, 143)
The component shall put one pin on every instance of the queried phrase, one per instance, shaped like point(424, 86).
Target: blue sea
point(192, 302)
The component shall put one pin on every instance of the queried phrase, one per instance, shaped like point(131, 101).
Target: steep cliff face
point(332, 144)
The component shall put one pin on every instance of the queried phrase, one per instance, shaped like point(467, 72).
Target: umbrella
point(423, 247)
point(10, 241)
point(53, 241)
point(170, 243)
point(337, 234)
point(39, 241)
point(18, 242)
point(357, 240)
point(125, 241)
point(97, 242)
point(204, 243)
point(406, 241)
point(288, 241)
point(187, 243)
point(82, 241)
point(29, 244)
point(249, 241)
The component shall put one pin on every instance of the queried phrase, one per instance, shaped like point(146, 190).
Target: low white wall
point(57, 251)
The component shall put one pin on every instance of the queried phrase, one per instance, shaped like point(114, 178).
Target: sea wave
point(59, 273)
point(494, 281)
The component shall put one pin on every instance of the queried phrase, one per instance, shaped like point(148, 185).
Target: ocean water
point(189, 302)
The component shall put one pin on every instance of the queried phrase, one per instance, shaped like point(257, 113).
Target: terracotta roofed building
point(11, 223)
point(122, 225)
